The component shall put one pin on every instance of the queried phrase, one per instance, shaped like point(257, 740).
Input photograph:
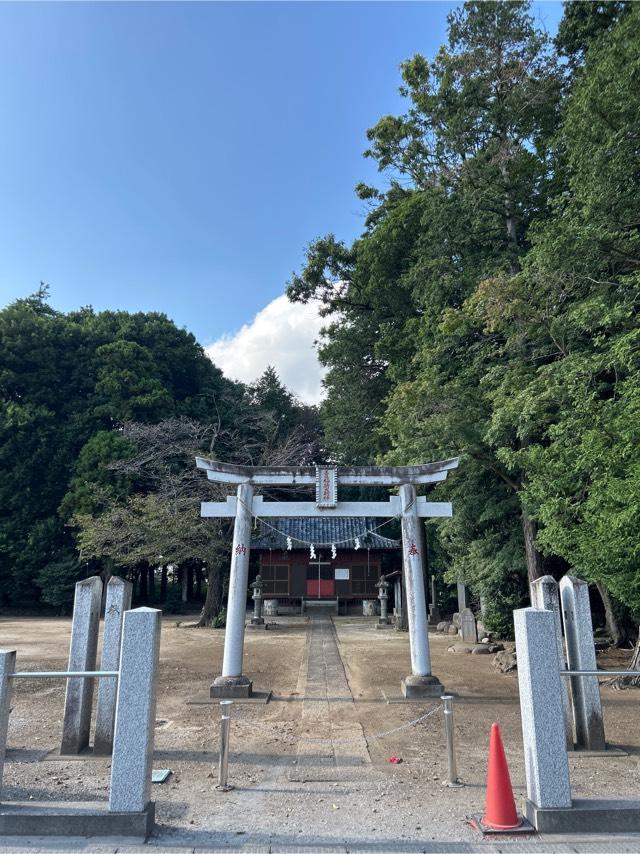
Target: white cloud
point(282, 334)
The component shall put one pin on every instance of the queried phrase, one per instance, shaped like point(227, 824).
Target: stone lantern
point(383, 595)
point(256, 587)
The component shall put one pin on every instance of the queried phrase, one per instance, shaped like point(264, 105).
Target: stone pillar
point(118, 601)
point(233, 683)
point(397, 597)
point(434, 612)
point(581, 655)
point(184, 584)
point(462, 596)
point(543, 730)
point(135, 712)
point(420, 683)
point(82, 656)
point(256, 587)
point(7, 667)
point(545, 597)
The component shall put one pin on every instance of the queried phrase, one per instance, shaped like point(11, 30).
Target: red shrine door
point(320, 580)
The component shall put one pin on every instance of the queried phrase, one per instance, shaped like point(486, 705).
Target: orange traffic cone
point(500, 813)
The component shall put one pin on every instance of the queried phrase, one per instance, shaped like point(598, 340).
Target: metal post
point(7, 668)
point(453, 782)
point(223, 765)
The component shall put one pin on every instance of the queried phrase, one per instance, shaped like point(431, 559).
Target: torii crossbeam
point(326, 479)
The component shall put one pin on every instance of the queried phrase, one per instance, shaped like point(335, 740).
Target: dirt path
point(308, 767)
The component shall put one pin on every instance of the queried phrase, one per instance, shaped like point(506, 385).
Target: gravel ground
point(308, 768)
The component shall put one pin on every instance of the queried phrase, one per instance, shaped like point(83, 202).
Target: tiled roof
point(341, 531)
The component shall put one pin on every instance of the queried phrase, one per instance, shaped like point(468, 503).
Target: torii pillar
point(421, 682)
point(232, 683)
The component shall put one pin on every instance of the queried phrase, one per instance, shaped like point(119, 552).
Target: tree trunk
point(510, 220)
point(107, 574)
point(535, 568)
point(190, 583)
point(152, 583)
point(614, 629)
point(198, 583)
point(213, 601)
point(142, 585)
point(183, 584)
point(163, 584)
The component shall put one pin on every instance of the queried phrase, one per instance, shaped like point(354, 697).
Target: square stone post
point(7, 667)
point(543, 730)
point(581, 655)
point(397, 596)
point(232, 682)
point(135, 711)
point(462, 596)
point(118, 601)
point(545, 596)
point(82, 656)
point(420, 683)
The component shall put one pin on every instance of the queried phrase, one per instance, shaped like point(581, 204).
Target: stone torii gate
point(326, 479)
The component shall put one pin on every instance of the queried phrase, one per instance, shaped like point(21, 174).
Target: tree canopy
point(101, 415)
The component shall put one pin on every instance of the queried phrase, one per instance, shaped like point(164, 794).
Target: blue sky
point(179, 156)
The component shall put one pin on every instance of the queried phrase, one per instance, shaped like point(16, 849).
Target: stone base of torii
point(232, 683)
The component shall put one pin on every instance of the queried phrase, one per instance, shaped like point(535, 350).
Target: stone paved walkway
point(328, 739)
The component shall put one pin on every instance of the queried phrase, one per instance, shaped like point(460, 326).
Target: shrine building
point(349, 557)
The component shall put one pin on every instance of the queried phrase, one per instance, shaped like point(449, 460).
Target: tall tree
point(475, 146)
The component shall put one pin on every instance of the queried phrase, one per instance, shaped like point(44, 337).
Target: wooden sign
point(326, 486)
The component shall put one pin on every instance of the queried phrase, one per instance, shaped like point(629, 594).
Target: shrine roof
point(319, 531)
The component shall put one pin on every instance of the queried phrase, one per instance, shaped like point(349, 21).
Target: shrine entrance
point(407, 506)
point(320, 580)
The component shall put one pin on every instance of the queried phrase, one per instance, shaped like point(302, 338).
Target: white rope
point(322, 545)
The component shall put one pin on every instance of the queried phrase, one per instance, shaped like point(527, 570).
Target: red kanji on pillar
point(241, 549)
point(413, 549)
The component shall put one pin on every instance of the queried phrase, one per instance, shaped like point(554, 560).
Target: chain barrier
point(375, 736)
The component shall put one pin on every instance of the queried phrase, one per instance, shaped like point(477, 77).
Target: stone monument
point(468, 626)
